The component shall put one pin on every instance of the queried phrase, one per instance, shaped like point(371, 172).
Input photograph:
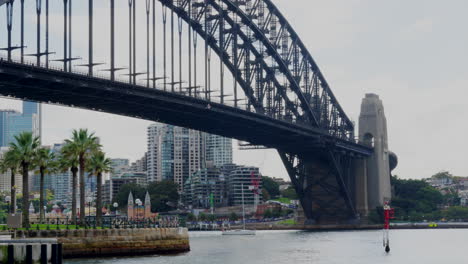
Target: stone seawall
point(115, 242)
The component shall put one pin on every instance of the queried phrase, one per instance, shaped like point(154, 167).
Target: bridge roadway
point(27, 82)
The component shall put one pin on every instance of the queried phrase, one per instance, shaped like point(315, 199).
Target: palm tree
point(82, 144)
point(11, 162)
point(25, 149)
point(46, 162)
point(99, 164)
point(69, 161)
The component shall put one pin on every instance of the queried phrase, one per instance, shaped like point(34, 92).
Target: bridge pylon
point(374, 172)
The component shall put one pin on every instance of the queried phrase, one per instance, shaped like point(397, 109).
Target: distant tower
point(373, 132)
point(147, 206)
point(130, 205)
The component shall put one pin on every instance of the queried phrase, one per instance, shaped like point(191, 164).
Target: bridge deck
point(70, 89)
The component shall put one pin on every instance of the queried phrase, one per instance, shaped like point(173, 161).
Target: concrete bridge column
point(360, 178)
point(373, 132)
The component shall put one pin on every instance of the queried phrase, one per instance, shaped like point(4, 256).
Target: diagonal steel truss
point(271, 64)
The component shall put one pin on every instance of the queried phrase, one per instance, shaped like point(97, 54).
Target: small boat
point(243, 231)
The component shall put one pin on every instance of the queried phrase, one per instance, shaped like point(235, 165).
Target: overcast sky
point(413, 54)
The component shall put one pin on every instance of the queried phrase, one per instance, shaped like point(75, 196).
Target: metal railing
point(108, 222)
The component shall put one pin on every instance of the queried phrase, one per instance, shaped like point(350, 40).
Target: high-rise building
point(59, 182)
point(218, 150)
point(5, 178)
point(119, 165)
point(175, 153)
point(140, 165)
point(112, 187)
point(13, 123)
point(246, 178)
point(206, 188)
point(160, 159)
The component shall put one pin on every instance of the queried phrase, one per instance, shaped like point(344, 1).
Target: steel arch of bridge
point(270, 50)
point(278, 52)
point(281, 81)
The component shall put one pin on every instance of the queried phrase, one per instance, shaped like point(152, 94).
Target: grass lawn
point(283, 200)
point(288, 222)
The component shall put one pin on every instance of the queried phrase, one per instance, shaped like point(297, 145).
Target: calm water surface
point(359, 247)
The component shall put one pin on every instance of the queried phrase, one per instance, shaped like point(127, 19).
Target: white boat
point(243, 231)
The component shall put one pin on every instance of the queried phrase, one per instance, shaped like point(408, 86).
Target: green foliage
point(211, 218)
point(289, 193)
point(456, 213)
point(164, 195)
point(266, 195)
point(267, 214)
point(288, 222)
point(276, 212)
point(98, 163)
point(442, 175)
point(122, 197)
point(415, 196)
point(191, 217)
point(271, 186)
point(233, 217)
point(283, 200)
point(25, 147)
point(202, 217)
point(451, 198)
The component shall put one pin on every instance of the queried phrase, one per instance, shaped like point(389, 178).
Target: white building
point(5, 178)
point(175, 153)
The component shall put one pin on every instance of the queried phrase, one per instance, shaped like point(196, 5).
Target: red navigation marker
point(389, 213)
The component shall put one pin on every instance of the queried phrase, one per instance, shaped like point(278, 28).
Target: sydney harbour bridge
point(235, 68)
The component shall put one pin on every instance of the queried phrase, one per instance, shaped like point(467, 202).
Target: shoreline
point(395, 226)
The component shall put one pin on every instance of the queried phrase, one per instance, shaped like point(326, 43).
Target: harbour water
point(430, 246)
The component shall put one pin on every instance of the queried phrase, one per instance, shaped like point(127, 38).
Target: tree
point(191, 217)
point(25, 148)
point(11, 162)
point(45, 160)
point(268, 213)
point(69, 161)
point(164, 196)
point(271, 186)
point(457, 212)
point(289, 193)
point(266, 196)
point(414, 198)
point(202, 217)
point(99, 164)
point(233, 217)
point(122, 196)
point(442, 175)
point(82, 144)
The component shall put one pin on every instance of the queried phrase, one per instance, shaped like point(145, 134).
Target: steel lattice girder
point(330, 116)
point(328, 195)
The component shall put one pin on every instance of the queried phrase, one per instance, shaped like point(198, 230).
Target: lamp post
point(89, 199)
point(8, 200)
point(139, 204)
point(45, 212)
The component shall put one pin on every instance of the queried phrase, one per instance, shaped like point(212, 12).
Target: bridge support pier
point(324, 185)
point(360, 176)
point(373, 132)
